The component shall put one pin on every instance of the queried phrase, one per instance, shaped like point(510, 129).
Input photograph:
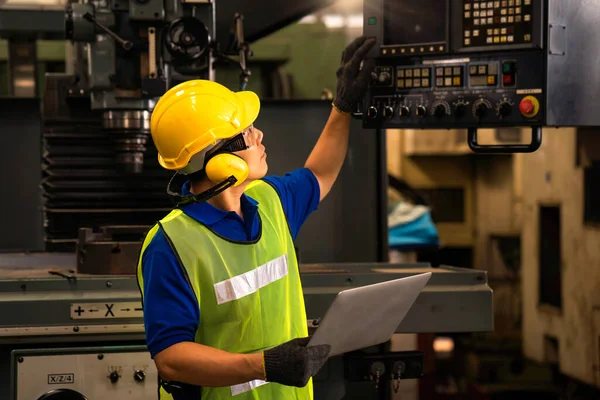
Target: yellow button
point(457, 81)
point(491, 80)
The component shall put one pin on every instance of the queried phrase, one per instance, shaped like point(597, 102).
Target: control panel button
point(421, 111)
point(413, 77)
point(526, 106)
point(529, 106)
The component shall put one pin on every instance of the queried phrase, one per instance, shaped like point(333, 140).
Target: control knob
point(504, 109)
point(385, 77)
point(139, 375)
point(372, 112)
point(460, 109)
point(114, 376)
point(421, 111)
point(481, 109)
point(388, 111)
point(404, 111)
point(439, 111)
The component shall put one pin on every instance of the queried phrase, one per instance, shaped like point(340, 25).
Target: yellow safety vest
point(250, 294)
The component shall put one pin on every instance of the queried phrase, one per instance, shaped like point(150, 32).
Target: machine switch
point(529, 106)
point(114, 376)
point(139, 375)
point(404, 111)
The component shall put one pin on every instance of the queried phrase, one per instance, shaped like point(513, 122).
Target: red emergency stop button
point(529, 106)
point(526, 107)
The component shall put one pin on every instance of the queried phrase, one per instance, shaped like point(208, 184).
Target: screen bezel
point(536, 40)
point(374, 9)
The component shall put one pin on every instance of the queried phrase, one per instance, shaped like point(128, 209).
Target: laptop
point(368, 315)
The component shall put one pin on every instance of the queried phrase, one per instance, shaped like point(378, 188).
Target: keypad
point(499, 22)
point(411, 77)
point(449, 76)
point(483, 74)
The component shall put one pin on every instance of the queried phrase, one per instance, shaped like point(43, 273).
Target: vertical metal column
point(22, 68)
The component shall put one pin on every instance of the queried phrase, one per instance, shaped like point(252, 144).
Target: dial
point(114, 376)
point(139, 375)
point(421, 111)
point(372, 112)
point(388, 112)
point(504, 108)
point(404, 111)
point(440, 110)
point(385, 77)
point(460, 109)
point(481, 107)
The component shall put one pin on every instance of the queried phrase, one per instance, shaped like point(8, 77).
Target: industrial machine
point(128, 53)
point(73, 325)
point(482, 64)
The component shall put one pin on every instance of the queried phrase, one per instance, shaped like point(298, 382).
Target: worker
point(223, 305)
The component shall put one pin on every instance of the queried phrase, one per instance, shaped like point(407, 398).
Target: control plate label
point(529, 91)
point(131, 309)
point(60, 379)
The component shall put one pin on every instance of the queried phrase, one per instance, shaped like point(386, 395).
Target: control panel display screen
point(500, 22)
point(415, 22)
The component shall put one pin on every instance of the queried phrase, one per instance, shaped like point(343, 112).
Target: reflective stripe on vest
point(250, 294)
point(245, 284)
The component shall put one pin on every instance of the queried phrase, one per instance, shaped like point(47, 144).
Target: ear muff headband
point(200, 197)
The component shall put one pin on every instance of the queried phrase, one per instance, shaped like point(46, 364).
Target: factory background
point(530, 221)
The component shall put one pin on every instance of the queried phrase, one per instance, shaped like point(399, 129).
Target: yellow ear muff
point(223, 165)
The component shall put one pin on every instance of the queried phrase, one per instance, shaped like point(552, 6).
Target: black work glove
point(353, 81)
point(293, 364)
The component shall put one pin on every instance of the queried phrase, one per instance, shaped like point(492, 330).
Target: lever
point(243, 49)
point(127, 45)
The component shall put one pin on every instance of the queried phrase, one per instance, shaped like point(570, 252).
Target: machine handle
point(536, 142)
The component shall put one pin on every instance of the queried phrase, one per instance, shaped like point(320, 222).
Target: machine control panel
point(466, 91)
point(125, 372)
point(462, 64)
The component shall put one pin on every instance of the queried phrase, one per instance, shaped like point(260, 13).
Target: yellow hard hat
point(194, 116)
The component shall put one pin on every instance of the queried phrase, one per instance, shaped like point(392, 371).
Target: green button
point(507, 68)
point(372, 21)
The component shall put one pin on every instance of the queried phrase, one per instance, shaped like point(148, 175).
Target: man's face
point(255, 156)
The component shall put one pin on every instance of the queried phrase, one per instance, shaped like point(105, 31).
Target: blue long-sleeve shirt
point(171, 311)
